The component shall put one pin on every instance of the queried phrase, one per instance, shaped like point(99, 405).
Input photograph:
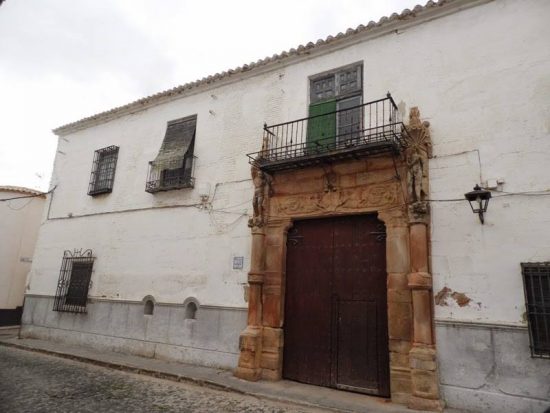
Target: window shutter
point(349, 81)
point(321, 128)
point(322, 89)
point(349, 118)
point(177, 140)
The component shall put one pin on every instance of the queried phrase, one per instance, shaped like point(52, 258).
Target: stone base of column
point(424, 379)
point(250, 345)
point(272, 353)
point(418, 403)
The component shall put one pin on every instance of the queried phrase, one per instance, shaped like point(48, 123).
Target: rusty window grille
point(103, 171)
point(74, 281)
point(536, 284)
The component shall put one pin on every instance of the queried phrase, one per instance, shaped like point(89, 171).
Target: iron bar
point(103, 171)
point(343, 133)
point(173, 173)
point(74, 281)
point(536, 283)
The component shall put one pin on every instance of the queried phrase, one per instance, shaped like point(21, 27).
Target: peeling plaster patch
point(460, 298)
point(441, 296)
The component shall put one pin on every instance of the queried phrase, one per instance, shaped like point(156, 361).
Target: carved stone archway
point(372, 185)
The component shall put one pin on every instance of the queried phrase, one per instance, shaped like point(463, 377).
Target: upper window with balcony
point(174, 163)
point(335, 107)
point(339, 125)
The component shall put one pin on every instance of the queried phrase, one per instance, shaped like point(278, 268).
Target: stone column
point(422, 357)
point(399, 303)
point(250, 341)
point(273, 299)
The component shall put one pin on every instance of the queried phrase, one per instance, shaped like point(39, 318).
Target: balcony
point(348, 133)
point(169, 174)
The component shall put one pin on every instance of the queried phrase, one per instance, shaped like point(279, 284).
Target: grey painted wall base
point(490, 369)
point(212, 339)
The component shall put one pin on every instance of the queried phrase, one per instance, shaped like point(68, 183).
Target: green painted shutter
point(321, 130)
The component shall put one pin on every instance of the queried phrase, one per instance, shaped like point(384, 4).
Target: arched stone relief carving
point(363, 199)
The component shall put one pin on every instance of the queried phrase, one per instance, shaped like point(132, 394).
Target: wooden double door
point(335, 327)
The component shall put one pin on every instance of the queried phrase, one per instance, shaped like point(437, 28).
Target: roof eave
point(386, 25)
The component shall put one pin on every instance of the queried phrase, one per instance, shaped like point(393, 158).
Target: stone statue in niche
point(418, 138)
point(416, 176)
point(262, 190)
point(418, 146)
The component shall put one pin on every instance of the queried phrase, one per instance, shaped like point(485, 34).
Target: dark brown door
point(336, 304)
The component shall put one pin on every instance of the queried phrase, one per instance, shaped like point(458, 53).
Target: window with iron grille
point(103, 171)
point(74, 281)
point(173, 166)
point(536, 284)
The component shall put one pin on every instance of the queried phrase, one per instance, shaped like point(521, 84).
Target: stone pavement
point(34, 382)
point(25, 379)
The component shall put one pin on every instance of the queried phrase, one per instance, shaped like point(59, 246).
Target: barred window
point(103, 171)
point(536, 283)
point(74, 281)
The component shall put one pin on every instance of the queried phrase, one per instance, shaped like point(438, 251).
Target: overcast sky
point(62, 60)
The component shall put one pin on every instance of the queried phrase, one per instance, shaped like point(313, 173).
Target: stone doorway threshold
point(280, 391)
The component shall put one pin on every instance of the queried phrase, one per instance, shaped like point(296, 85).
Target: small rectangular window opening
point(536, 283)
point(103, 171)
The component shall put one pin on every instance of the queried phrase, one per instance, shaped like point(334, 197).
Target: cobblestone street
point(33, 382)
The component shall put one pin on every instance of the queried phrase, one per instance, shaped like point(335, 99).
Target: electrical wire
point(21, 207)
point(504, 194)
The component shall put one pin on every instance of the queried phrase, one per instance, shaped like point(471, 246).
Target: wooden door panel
point(356, 350)
point(307, 356)
point(336, 305)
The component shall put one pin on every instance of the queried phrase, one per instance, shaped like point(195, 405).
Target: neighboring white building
point(20, 216)
point(156, 254)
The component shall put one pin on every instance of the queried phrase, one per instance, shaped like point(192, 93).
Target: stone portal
point(395, 188)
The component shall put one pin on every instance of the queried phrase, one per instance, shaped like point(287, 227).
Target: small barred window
point(103, 171)
point(74, 281)
point(536, 283)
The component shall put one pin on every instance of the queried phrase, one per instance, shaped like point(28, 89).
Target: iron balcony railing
point(173, 173)
point(350, 132)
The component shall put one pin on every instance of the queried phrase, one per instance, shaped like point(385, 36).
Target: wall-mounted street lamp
point(478, 199)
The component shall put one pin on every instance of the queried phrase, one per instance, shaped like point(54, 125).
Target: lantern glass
point(479, 200)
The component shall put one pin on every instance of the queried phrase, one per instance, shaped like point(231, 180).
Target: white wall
point(19, 223)
point(480, 76)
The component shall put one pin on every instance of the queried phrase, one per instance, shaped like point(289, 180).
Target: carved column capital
point(395, 217)
point(419, 213)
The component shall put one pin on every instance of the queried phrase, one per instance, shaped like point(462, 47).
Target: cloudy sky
point(61, 60)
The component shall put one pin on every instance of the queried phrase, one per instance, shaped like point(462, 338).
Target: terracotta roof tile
point(20, 189)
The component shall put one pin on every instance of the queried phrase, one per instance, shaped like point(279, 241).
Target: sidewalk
point(281, 391)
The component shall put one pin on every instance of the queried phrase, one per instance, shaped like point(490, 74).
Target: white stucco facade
point(478, 75)
point(19, 223)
